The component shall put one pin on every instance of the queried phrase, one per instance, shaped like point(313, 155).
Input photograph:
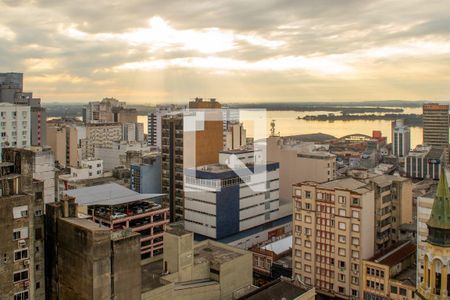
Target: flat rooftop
point(86, 223)
point(216, 255)
point(277, 290)
point(347, 183)
point(108, 194)
point(384, 180)
point(395, 254)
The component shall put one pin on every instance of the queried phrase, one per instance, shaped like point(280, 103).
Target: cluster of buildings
point(91, 209)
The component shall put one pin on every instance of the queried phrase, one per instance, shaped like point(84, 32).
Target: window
point(355, 201)
point(355, 227)
point(298, 217)
point(402, 292)
point(298, 241)
point(393, 289)
point(355, 280)
point(307, 256)
point(355, 254)
point(21, 296)
point(20, 254)
point(20, 233)
point(38, 234)
point(20, 212)
point(341, 199)
point(342, 264)
point(341, 238)
point(20, 275)
point(307, 231)
point(341, 277)
point(307, 219)
point(341, 290)
point(342, 212)
point(298, 193)
point(355, 241)
point(298, 253)
point(342, 226)
point(341, 251)
point(308, 268)
point(307, 244)
point(354, 293)
point(308, 206)
point(355, 214)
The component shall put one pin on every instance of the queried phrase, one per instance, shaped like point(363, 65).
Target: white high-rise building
point(14, 126)
point(154, 123)
point(401, 138)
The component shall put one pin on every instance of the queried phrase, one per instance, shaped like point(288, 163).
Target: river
point(286, 123)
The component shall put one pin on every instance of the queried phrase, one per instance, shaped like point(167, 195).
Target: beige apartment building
point(391, 273)
point(64, 142)
point(101, 134)
point(300, 161)
point(393, 207)
point(333, 231)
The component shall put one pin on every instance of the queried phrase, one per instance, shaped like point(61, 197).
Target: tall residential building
point(435, 125)
point(85, 260)
point(11, 91)
point(133, 132)
point(64, 140)
point(393, 207)
point(435, 277)
point(209, 137)
point(22, 233)
point(115, 154)
point(198, 144)
point(333, 231)
point(109, 110)
point(219, 203)
point(14, 126)
point(35, 162)
point(100, 135)
point(235, 137)
point(424, 162)
point(300, 161)
point(401, 139)
point(154, 123)
point(172, 165)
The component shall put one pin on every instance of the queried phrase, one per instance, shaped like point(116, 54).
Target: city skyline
point(150, 53)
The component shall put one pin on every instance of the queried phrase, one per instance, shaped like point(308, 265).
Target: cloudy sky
point(147, 51)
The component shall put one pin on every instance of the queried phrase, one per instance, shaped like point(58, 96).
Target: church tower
point(435, 283)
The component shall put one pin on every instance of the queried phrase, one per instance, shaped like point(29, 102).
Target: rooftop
point(395, 254)
point(150, 275)
point(347, 183)
point(87, 224)
point(279, 246)
point(215, 253)
point(277, 290)
point(108, 194)
point(384, 180)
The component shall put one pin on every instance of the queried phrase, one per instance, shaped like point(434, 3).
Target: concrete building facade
point(334, 230)
point(435, 125)
point(22, 231)
point(424, 162)
point(204, 270)
point(390, 274)
point(401, 139)
point(145, 177)
point(88, 261)
point(235, 137)
point(219, 203)
point(299, 162)
point(100, 135)
point(64, 140)
point(15, 126)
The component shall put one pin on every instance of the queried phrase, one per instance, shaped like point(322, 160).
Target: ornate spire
point(439, 222)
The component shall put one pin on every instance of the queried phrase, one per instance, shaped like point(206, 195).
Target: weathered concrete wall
point(84, 267)
point(126, 268)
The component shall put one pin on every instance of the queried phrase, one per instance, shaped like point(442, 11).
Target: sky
point(148, 52)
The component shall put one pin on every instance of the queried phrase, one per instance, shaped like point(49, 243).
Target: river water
point(286, 123)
